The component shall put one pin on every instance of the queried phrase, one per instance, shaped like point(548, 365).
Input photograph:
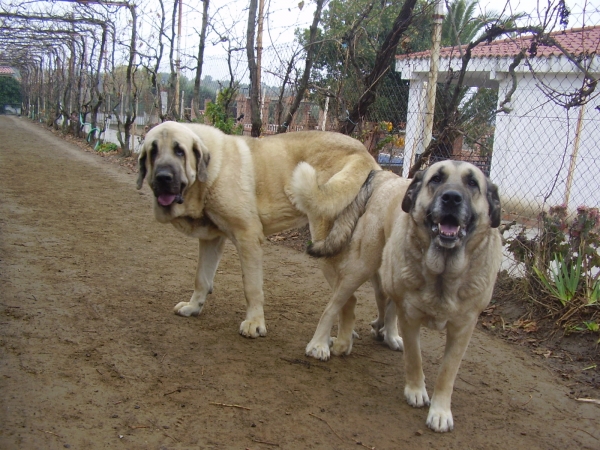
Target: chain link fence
point(523, 121)
point(526, 127)
point(532, 128)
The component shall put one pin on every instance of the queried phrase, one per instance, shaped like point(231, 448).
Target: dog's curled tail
point(327, 200)
point(344, 224)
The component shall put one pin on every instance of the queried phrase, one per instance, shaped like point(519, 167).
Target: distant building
point(6, 71)
point(308, 117)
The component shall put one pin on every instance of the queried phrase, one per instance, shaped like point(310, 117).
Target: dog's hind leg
point(391, 335)
point(382, 301)
point(385, 327)
point(209, 255)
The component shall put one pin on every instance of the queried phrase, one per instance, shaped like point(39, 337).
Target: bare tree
point(131, 91)
point(200, 60)
point(303, 85)
point(382, 64)
point(152, 60)
point(253, 68)
point(172, 106)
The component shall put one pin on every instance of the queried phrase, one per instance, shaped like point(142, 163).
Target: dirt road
point(91, 355)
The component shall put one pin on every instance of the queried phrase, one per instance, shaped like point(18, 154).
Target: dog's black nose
point(452, 198)
point(164, 176)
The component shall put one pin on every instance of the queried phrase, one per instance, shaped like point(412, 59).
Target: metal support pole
point(573, 161)
point(436, 38)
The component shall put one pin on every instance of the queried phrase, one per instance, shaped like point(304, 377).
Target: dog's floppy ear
point(495, 209)
point(412, 191)
point(202, 159)
point(142, 169)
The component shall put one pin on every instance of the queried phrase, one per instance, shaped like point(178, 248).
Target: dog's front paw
point(253, 328)
point(393, 341)
point(440, 420)
point(318, 350)
point(416, 397)
point(186, 309)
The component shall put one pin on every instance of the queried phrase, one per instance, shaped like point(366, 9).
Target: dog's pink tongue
point(166, 199)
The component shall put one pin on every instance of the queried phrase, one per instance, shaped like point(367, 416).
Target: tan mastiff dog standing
point(439, 251)
point(214, 187)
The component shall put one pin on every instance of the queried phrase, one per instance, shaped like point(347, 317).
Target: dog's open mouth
point(448, 229)
point(169, 199)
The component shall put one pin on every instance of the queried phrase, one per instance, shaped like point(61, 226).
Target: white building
point(544, 154)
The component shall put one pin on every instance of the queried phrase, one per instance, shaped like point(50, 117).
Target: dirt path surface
point(91, 355)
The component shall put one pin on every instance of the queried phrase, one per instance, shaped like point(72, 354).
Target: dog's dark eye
point(472, 183)
point(153, 151)
point(436, 179)
point(179, 151)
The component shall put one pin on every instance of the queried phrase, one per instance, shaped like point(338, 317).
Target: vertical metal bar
point(436, 38)
point(573, 161)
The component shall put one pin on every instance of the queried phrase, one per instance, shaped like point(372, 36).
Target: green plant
point(107, 147)
point(216, 113)
point(562, 262)
point(10, 91)
point(565, 278)
point(593, 294)
point(592, 326)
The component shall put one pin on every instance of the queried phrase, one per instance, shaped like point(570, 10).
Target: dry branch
point(229, 406)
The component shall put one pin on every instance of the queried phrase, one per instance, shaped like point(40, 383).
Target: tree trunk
point(131, 90)
point(96, 83)
point(197, 80)
point(307, 68)
point(383, 61)
point(172, 107)
point(253, 68)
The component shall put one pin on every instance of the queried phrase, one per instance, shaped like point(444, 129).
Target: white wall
point(534, 143)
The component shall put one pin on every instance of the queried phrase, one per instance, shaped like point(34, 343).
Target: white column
point(415, 121)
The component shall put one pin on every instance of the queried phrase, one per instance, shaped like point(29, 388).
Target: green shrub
point(562, 265)
point(216, 113)
point(107, 147)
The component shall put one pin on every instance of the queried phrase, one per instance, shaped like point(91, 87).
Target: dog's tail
point(343, 227)
point(329, 199)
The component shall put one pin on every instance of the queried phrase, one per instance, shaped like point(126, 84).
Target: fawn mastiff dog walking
point(214, 187)
point(436, 245)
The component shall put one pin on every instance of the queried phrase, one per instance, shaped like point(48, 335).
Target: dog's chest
point(202, 228)
point(437, 301)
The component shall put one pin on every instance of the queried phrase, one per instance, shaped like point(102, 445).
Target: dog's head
point(452, 200)
point(173, 158)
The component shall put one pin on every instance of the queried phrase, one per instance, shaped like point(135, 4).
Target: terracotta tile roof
point(576, 41)
point(6, 70)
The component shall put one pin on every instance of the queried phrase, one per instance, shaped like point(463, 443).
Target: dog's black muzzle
point(167, 186)
point(449, 217)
